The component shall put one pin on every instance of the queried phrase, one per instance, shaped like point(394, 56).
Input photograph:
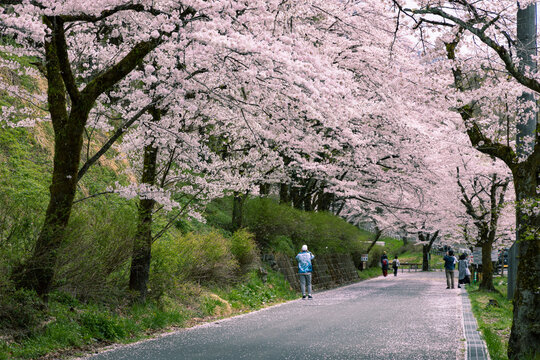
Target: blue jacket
point(449, 262)
point(304, 262)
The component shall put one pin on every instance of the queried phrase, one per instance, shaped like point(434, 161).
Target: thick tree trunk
point(142, 245)
point(524, 338)
point(405, 240)
point(264, 189)
point(296, 197)
point(525, 329)
point(238, 204)
point(487, 266)
point(284, 194)
point(37, 272)
point(324, 201)
point(307, 203)
point(426, 248)
point(425, 257)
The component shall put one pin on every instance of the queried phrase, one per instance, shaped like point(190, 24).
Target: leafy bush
point(273, 224)
point(102, 326)
point(20, 309)
point(101, 234)
point(203, 258)
point(254, 294)
point(282, 244)
point(374, 256)
point(244, 249)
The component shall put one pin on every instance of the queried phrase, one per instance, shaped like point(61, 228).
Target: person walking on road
point(449, 266)
point(304, 270)
point(463, 270)
point(395, 265)
point(384, 264)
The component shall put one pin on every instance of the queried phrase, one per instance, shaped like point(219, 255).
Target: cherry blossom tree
point(484, 199)
point(56, 33)
point(490, 70)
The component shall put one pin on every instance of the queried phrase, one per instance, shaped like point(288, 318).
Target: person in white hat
point(304, 270)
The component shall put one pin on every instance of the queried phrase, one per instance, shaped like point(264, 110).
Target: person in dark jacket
point(395, 265)
point(463, 270)
point(384, 264)
point(449, 266)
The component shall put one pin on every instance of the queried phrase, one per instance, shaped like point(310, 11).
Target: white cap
point(304, 247)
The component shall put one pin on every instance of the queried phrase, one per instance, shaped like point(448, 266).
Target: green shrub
point(254, 294)
point(266, 220)
point(20, 309)
point(282, 244)
point(101, 234)
point(203, 258)
point(374, 256)
point(244, 249)
point(284, 227)
point(101, 325)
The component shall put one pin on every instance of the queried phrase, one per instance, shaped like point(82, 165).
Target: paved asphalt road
point(411, 316)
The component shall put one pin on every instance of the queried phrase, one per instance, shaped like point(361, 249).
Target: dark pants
point(395, 271)
point(385, 271)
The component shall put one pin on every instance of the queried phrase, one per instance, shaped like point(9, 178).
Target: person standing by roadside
point(304, 270)
point(449, 266)
point(395, 265)
point(384, 264)
point(463, 271)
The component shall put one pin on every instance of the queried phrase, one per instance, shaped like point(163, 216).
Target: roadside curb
point(475, 346)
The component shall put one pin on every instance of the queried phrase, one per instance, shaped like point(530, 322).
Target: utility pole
point(526, 51)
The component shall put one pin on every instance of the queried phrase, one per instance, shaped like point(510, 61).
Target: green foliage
point(494, 322)
point(218, 213)
point(374, 256)
point(203, 257)
point(254, 294)
point(209, 305)
point(23, 195)
point(101, 234)
point(102, 325)
point(20, 309)
point(282, 244)
point(74, 324)
point(273, 224)
point(369, 273)
point(244, 249)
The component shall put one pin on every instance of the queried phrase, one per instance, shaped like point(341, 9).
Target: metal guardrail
point(412, 266)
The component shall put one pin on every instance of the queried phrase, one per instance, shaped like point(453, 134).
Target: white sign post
point(477, 256)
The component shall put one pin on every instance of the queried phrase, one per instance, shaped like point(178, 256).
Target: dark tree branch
point(105, 14)
point(117, 72)
point(501, 51)
point(59, 37)
point(119, 132)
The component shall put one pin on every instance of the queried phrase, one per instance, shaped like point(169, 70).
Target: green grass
point(369, 273)
point(253, 294)
point(71, 324)
point(494, 322)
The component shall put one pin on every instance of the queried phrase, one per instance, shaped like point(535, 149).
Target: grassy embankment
point(494, 321)
point(70, 326)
